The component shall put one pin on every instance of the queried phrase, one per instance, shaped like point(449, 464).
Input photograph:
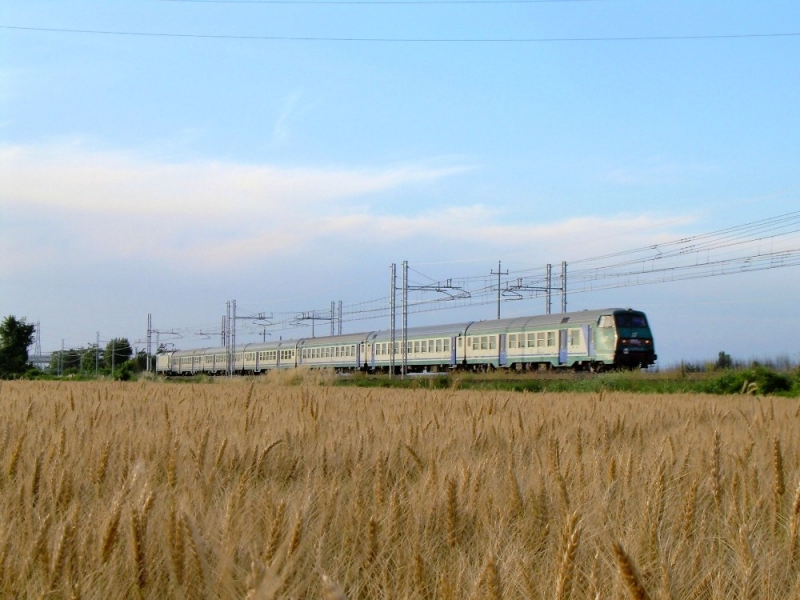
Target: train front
point(635, 347)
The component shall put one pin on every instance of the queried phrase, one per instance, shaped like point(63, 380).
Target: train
point(588, 340)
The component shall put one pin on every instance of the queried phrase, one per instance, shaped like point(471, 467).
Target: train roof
point(333, 340)
point(583, 317)
point(249, 347)
point(447, 330)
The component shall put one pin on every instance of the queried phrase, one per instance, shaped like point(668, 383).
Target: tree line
point(117, 358)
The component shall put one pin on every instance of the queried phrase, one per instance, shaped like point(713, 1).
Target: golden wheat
point(288, 487)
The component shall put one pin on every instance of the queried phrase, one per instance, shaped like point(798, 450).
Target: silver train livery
point(587, 340)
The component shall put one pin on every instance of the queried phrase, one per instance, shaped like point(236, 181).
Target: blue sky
point(168, 174)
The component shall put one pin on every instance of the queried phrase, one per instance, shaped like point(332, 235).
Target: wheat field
point(263, 490)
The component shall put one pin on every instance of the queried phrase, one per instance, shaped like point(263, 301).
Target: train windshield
point(630, 319)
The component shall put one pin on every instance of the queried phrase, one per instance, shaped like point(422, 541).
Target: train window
point(409, 347)
point(492, 342)
point(539, 339)
point(460, 341)
point(416, 346)
point(385, 348)
point(484, 342)
point(469, 342)
point(551, 339)
point(631, 320)
point(424, 345)
point(446, 345)
point(438, 345)
point(532, 337)
point(512, 340)
point(606, 321)
point(574, 337)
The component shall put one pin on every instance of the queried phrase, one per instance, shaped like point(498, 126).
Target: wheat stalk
point(630, 576)
point(566, 571)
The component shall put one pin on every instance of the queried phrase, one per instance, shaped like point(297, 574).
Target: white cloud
point(71, 177)
point(71, 205)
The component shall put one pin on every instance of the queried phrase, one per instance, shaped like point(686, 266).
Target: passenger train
point(587, 340)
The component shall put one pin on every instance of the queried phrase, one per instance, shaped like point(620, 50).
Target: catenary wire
point(404, 40)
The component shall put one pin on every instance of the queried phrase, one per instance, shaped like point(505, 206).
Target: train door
point(563, 340)
point(501, 344)
point(587, 335)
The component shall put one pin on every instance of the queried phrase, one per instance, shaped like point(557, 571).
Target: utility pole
point(434, 287)
point(392, 309)
point(227, 335)
point(333, 318)
point(149, 339)
point(404, 350)
point(564, 286)
point(339, 318)
point(150, 332)
point(96, 354)
point(499, 273)
point(549, 285)
point(233, 336)
point(231, 329)
point(37, 344)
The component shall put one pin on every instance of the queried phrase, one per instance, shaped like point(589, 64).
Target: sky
point(165, 157)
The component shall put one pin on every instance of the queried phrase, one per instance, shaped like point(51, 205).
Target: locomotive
point(591, 340)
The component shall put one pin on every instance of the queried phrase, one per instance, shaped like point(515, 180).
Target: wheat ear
point(572, 535)
point(630, 576)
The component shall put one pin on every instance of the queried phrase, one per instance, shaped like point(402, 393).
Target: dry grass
point(240, 490)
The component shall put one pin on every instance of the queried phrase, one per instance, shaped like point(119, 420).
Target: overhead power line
point(386, 2)
point(761, 245)
point(403, 40)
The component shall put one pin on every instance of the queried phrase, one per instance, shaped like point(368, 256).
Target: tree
point(117, 352)
point(66, 361)
point(15, 337)
point(92, 359)
point(724, 361)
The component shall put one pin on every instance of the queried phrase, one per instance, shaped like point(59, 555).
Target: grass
point(752, 380)
point(280, 489)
